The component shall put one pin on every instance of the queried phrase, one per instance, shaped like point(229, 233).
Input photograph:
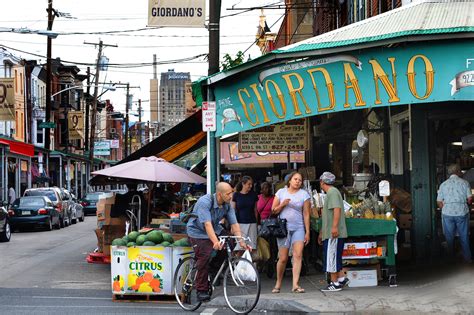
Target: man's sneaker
point(203, 296)
point(344, 282)
point(332, 287)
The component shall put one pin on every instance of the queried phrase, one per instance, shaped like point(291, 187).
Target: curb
point(271, 305)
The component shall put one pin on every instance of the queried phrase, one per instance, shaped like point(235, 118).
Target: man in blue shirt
point(454, 198)
point(203, 231)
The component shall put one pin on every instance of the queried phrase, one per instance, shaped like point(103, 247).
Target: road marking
point(209, 311)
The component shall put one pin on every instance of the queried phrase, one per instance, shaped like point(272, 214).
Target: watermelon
point(132, 236)
point(125, 239)
point(148, 243)
point(155, 237)
point(184, 242)
point(130, 244)
point(168, 238)
point(165, 244)
point(140, 240)
point(118, 242)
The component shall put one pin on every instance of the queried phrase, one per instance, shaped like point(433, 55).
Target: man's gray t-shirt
point(204, 212)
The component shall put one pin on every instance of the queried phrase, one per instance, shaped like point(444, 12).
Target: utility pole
point(88, 91)
point(214, 20)
point(127, 105)
point(47, 140)
point(94, 102)
point(140, 121)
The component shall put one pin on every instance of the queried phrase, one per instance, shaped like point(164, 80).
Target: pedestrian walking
point(293, 204)
point(244, 201)
point(333, 233)
point(265, 201)
point(11, 195)
point(454, 198)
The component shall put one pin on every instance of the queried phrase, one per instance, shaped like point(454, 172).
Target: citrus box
point(359, 250)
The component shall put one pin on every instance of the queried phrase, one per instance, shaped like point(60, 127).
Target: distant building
point(172, 99)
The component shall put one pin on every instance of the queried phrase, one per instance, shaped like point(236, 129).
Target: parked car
point(5, 228)
point(55, 195)
point(68, 205)
point(89, 202)
point(77, 210)
point(34, 211)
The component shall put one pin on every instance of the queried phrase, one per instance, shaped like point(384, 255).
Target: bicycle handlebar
point(223, 238)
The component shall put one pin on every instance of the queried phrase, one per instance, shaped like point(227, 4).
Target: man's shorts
point(332, 254)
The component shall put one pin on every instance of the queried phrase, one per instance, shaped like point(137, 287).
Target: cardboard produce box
point(361, 277)
point(359, 250)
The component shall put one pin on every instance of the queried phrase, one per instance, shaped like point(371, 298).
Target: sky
point(92, 18)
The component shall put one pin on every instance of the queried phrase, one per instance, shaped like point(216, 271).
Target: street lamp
point(24, 30)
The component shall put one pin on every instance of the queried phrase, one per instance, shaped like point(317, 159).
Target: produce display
point(150, 238)
point(370, 208)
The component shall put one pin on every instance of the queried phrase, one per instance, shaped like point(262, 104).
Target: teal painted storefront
point(378, 77)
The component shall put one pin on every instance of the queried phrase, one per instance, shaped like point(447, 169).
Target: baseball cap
point(328, 178)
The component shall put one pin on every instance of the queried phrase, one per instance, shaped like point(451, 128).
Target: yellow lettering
point(293, 91)
point(272, 102)
point(329, 87)
point(379, 74)
point(251, 107)
point(429, 75)
point(260, 102)
point(351, 82)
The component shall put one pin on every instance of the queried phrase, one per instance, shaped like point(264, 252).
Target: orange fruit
point(148, 276)
point(135, 287)
point(139, 281)
point(155, 284)
point(116, 286)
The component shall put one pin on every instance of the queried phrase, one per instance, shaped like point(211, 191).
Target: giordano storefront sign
point(373, 78)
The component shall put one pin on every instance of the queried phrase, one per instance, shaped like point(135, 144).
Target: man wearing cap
point(333, 233)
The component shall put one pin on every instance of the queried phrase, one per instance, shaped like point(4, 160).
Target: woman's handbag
point(274, 226)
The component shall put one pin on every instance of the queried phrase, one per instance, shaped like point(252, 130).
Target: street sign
point(47, 125)
point(209, 122)
point(102, 148)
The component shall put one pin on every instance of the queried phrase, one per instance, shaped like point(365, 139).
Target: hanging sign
point(102, 148)
point(76, 125)
point(176, 13)
point(7, 99)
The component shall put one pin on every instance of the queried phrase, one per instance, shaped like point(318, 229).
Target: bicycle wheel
point(241, 286)
point(184, 288)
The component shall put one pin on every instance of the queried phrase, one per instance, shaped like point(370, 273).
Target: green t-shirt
point(333, 200)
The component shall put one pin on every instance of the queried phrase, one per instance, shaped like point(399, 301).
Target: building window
point(39, 133)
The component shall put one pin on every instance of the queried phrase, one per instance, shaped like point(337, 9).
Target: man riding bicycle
point(203, 230)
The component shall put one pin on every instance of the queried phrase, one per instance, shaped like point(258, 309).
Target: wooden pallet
point(168, 299)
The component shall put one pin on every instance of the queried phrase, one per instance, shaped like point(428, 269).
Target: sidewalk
point(437, 290)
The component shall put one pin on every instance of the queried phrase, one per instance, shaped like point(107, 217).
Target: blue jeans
point(451, 224)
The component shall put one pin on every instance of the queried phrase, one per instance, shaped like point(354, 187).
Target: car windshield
point(31, 202)
point(48, 193)
point(93, 197)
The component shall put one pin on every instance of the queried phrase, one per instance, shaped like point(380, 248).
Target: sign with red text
point(209, 116)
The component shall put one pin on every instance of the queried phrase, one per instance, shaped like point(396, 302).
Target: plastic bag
point(244, 269)
point(263, 249)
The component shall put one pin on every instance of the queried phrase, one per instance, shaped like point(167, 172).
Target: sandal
point(298, 290)
point(276, 290)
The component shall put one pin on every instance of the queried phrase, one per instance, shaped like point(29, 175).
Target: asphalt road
point(46, 273)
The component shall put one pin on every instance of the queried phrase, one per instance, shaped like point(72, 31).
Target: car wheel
point(6, 234)
point(49, 227)
point(81, 219)
point(58, 225)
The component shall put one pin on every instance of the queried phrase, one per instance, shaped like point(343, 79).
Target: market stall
point(144, 249)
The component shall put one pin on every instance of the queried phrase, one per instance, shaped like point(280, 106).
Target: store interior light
point(457, 143)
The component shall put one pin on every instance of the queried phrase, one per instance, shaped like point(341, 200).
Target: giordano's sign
point(373, 78)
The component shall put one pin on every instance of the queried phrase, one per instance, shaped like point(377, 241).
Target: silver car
point(77, 211)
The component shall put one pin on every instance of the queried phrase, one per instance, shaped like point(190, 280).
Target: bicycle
point(241, 289)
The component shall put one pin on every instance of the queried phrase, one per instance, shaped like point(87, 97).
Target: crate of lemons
point(370, 208)
point(151, 238)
